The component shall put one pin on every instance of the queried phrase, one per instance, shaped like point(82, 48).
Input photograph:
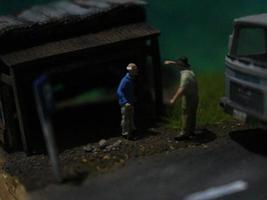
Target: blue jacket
point(125, 91)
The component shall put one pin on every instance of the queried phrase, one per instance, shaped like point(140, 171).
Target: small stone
point(109, 148)
point(117, 143)
point(84, 160)
point(142, 148)
point(102, 144)
point(171, 147)
point(94, 149)
point(88, 148)
point(106, 157)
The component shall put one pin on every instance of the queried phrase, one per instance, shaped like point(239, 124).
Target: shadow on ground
point(204, 136)
point(76, 179)
point(254, 140)
point(89, 123)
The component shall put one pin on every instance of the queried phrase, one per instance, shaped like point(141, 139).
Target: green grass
point(211, 89)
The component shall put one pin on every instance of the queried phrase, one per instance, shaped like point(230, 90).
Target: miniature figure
point(125, 94)
point(188, 91)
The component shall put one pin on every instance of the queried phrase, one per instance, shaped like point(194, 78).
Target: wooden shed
point(80, 43)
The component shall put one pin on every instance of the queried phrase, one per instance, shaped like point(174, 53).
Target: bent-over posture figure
point(188, 91)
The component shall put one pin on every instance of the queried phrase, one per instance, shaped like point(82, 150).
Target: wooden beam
point(6, 79)
point(156, 61)
point(19, 113)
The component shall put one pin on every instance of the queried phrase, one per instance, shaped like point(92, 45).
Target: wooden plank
point(11, 133)
point(71, 8)
point(8, 23)
point(6, 79)
point(111, 36)
point(34, 16)
point(140, 2)
point(94, 3)
point(21, 117)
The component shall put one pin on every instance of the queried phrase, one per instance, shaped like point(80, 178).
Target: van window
point(251, 42)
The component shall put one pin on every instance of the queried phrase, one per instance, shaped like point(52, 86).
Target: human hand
point(172, 101)
point(127, 104)
point(167, 62)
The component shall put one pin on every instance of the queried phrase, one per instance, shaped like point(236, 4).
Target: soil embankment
point(10, 187)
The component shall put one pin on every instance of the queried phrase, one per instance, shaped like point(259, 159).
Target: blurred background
point(197, 29)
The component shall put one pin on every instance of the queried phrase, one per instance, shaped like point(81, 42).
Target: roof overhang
point(84, 42)
point(66, 19)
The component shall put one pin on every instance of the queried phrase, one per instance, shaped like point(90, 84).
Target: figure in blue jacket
point(125, 93)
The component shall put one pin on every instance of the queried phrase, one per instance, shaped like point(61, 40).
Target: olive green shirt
point(188, 81)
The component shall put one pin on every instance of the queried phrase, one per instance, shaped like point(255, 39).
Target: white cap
point(131, 67)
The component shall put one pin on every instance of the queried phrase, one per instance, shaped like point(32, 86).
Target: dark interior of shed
point(86, 107)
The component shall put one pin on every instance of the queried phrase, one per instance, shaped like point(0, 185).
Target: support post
point(156, 62)
point(19, 106)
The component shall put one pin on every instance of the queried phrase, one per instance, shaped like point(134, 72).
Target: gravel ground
point(34, 172)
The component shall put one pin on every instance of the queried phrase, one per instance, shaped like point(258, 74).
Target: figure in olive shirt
point(188, 91)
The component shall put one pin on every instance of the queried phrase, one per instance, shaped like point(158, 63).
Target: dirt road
point(234, 167)
point(91, 160)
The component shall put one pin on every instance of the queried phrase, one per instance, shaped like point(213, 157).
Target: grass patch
point(211, 89)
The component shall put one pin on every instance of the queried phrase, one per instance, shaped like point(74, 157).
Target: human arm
point(121, 92)
point(178, 94)
point(184, 82)
point(169, 62)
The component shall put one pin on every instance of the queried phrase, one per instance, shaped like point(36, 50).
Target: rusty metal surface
point(111, 36)
point(63, 19)
point(9, 23)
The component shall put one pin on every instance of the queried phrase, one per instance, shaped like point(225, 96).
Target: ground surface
point(77, 164)
point(153, 167)
point(234, 168)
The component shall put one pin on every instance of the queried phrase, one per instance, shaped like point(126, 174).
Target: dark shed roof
point(260, 20)
point(107, 37)
point(65, 19)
